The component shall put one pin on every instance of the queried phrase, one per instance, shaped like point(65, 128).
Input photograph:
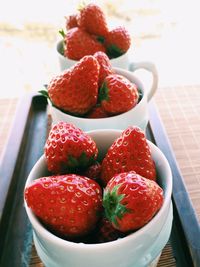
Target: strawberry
point(69, 205)
point(79, 43)
point(118, 94)
point(105, 66)
point(93, 171)
point(118, 41)
point(129, 152)
point(71, 21)
point(92, 19)
point(68, 149)
point(75, 90)
point(97, 112)
point(106, 232)
point(131, 201)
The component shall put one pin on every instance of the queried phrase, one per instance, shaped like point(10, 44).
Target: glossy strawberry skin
point(105, 66)
point(118, 94)
point(71, 21)
point(106, 232)
point(79, 43)
point(97, 112)
point(135, 200)
point(76, 89)
point(67, 144)
point(69, 205)
point(118, 41)
point(92, 19)
point(129, 152)
point(93, 171)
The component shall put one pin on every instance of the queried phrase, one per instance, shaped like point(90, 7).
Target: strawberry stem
point(62, 33)
point(103, 93)
point(44, 93)
point(80, 163)
point(101, 39)
point(112, 204)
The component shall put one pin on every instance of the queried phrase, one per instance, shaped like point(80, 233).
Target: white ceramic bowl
point(139, 249)
point(122, 62)
point(65, 63)
point(136, 116)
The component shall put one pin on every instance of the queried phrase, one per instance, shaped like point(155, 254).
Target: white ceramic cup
point(122, 62)
point(136, 116)
point(65, 63)
point(139, 249)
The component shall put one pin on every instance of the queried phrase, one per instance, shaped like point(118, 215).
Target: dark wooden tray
point(25, 146)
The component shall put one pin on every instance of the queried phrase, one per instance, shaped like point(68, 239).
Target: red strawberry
point(129, 152)
point(79, 43)
point(71, 21)
point(97, 112)
point(69, 205)
point(131, 201)
point(106, 232)
point(105, 66)
point(68, 148)
point(118, 41)
point(75, 90)
point(93, 171)
point(118, 94)
point(92, 19)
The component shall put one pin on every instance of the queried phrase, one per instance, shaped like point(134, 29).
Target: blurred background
point(164, 32)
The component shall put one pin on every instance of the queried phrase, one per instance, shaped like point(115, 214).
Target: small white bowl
point(136, 116)
point(139, 249)
point(122, 62)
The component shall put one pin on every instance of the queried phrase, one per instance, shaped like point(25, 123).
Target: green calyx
point(113, 51)
point(101, 39)
point(62, 47)
point(44, 91)
point(80, 163)
point(103, 93)
point(112, 204)
point(62, 33)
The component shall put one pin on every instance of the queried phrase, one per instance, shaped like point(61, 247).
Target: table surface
point(179, 108)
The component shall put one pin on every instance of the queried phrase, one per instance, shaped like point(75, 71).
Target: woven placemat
point(179, 108)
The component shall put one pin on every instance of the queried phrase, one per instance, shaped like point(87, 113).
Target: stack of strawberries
point(88, 32)
point(92, 89)
point(86, 198)
point(95, 200)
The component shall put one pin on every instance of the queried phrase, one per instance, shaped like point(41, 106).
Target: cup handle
point(149, 66)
